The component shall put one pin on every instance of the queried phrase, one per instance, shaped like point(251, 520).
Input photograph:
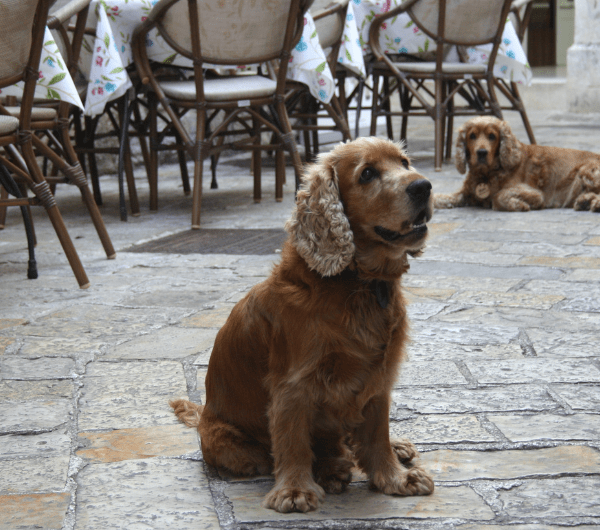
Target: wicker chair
point(447, 22)
point(21, 37)
point(304, 110)
point(254, 102)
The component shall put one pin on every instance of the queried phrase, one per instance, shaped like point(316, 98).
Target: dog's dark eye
point(472, 136)
point(492, 136)
point(405, 163)
point(368, 174)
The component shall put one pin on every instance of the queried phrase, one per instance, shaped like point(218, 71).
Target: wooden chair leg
point(90, 132)
point(521, 108)
point(289, 141)
point(257, 163)
point(3, 195)
point(153, 166)
point(375, 105)
point(279, 174)
point(199, 157)
point(439, 125)
point(387, 107)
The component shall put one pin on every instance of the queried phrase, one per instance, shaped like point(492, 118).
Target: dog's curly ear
point(510, 149)
point(460, 155)
point(318, 227)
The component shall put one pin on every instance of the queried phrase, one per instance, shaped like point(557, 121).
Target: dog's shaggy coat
point(300, 376)
point(505, 174)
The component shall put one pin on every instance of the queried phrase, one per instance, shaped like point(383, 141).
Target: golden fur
point(505, 174)
point(300, 376)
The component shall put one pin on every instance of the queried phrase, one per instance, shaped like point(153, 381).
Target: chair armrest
point(60, 16)
point(334, 7)
point(379, 20)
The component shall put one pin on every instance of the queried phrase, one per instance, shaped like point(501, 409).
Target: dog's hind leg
point(225, 446)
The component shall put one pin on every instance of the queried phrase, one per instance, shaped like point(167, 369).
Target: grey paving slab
point(580, 397)
point(44, 368)
point(23, 391)
point(34, 416)
point(43, 444)
point(441, 429)
point(552, 499)
point(26, 475)
point(461, 400)
point(449, 465)
point(167, 343)
point(129, 395)
point(524, 428)
point(444, 373)
point(530, 370)
point(151, 493)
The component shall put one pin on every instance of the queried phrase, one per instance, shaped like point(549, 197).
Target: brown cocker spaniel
point(300, 376)
point(505, 174)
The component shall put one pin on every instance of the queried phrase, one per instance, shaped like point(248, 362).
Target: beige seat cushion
point(448, 68)
point(222, 89)
point(8, 124)
point(37, 113)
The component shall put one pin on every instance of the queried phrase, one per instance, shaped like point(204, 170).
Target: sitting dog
point(300, 375)
point(505, 174)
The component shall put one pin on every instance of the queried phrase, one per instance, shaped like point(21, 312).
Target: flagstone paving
point(501, 392)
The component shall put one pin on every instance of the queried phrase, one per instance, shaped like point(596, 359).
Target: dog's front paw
point(444, 201)
point(517, 205)
point(415, 481)
point(287, 499)
point(404, 450)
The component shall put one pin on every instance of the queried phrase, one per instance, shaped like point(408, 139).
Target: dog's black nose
point(419, 190)
point(481, 155)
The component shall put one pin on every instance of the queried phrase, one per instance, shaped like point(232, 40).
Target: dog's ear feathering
point(460, 156)
point(318, 227)
point(510, 152)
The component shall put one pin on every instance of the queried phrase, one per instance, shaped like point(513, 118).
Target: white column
point(583, 59)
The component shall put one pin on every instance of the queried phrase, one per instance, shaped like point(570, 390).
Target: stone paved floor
point(501, 393)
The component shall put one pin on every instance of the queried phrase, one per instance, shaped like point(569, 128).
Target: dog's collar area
point(379, 288)
point(381, 291)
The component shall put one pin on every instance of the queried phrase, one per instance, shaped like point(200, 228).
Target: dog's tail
point(188, 412)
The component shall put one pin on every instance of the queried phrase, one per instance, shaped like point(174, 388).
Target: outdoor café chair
point(221, 34)
point(22, 27)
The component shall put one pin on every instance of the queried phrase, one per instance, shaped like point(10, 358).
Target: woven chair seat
point(222, 89)
point(37, 113)
point(8, 124)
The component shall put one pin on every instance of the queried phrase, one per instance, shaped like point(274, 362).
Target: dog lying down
point(505, 174)
point(300, 376)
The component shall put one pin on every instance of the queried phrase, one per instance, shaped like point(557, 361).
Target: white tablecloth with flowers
point(54, 81)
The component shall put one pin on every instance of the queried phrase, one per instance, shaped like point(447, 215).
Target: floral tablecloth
point(54, 81)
